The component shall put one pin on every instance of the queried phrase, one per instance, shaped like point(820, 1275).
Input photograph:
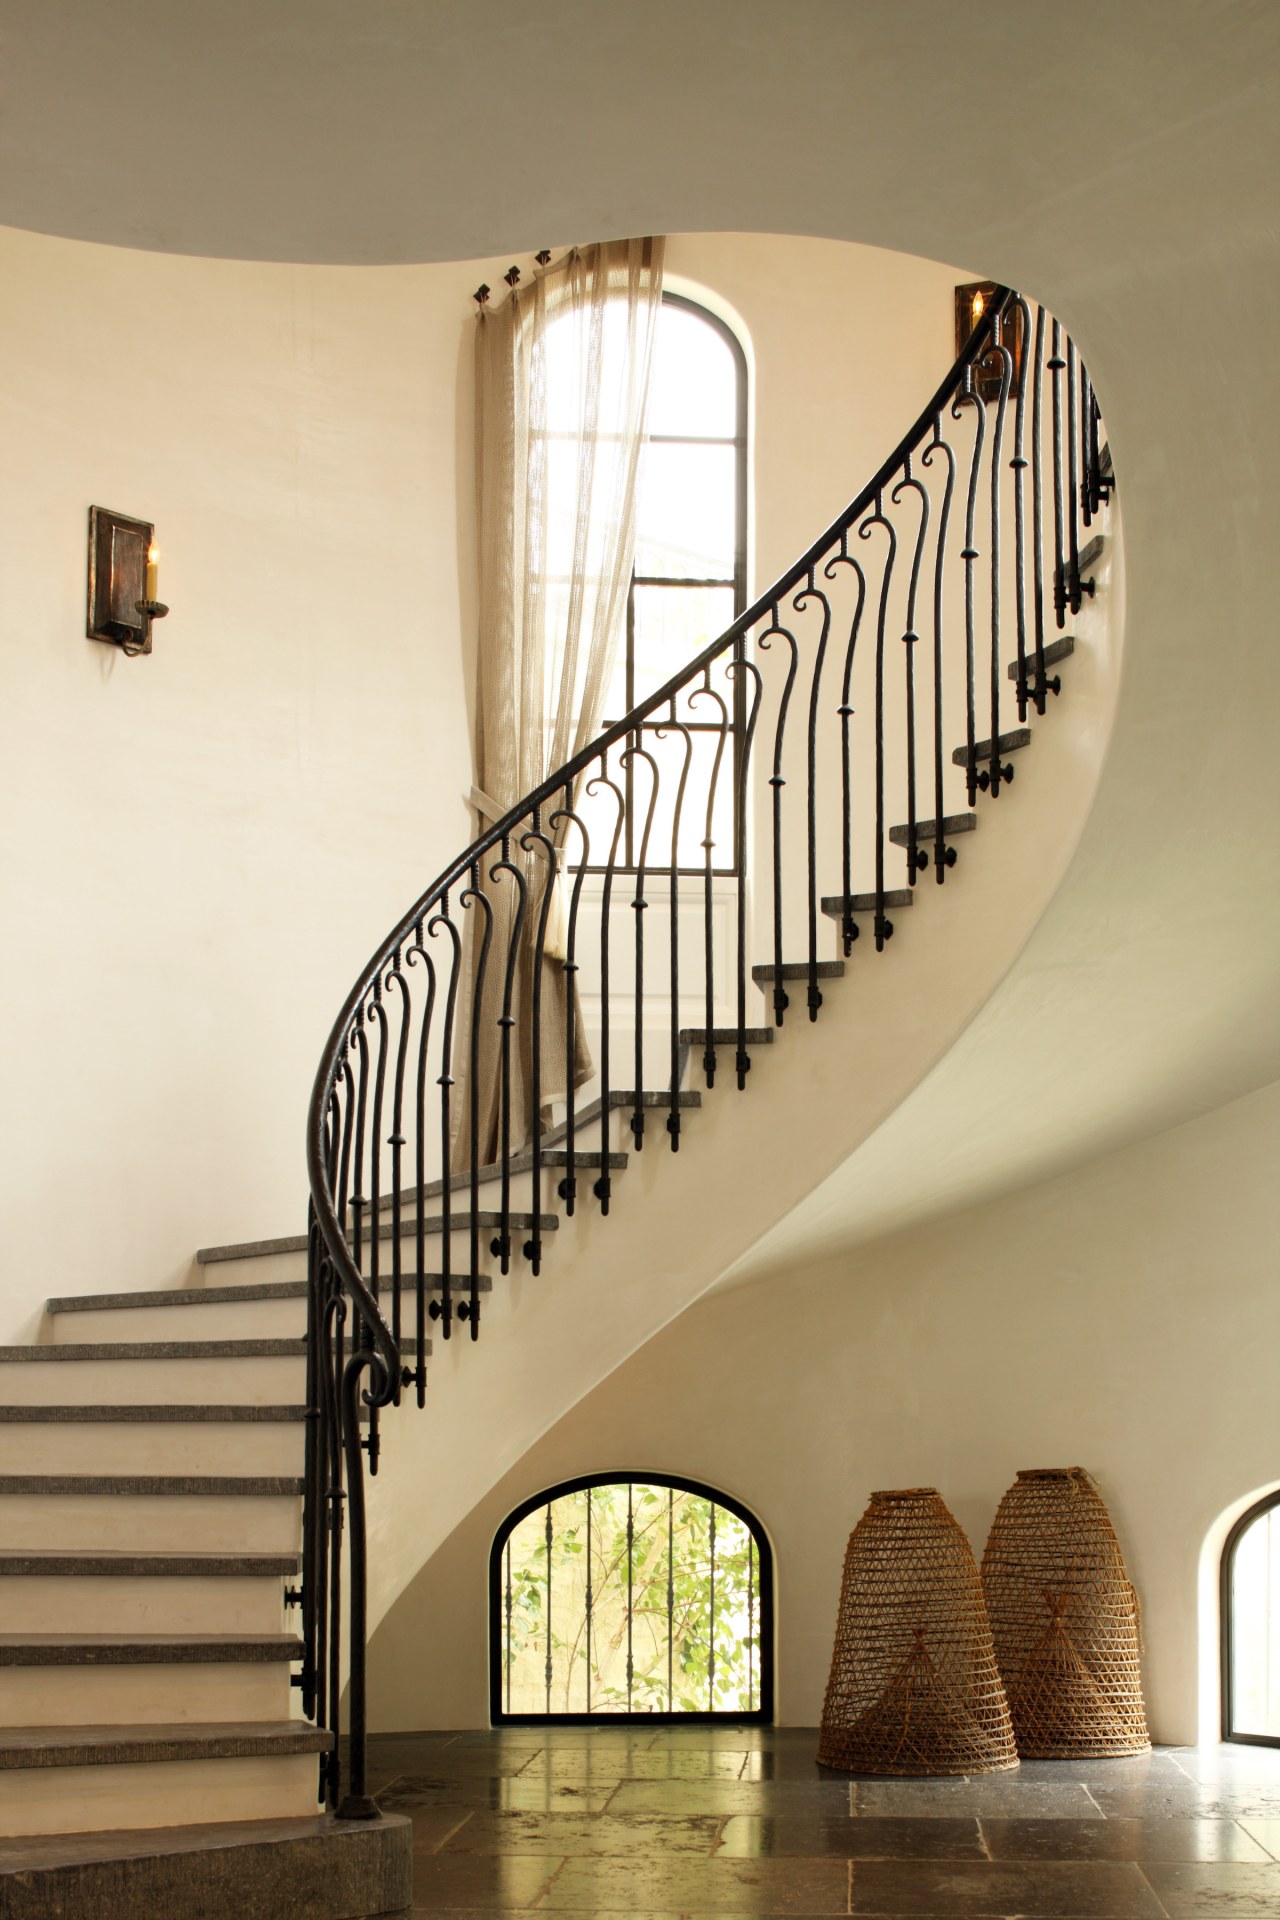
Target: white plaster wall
point(200, 849)
point(1124, 1317)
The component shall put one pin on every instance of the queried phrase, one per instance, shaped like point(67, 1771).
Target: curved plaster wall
point(1123, 1316)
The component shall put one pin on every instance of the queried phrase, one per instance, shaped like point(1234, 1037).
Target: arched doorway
point(631, 1597)
point(1251, 1626)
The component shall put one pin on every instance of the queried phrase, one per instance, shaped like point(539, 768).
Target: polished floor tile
point(817, 1836)
point(1227, 1887)
point(740, 1823)
point(1120, 1840)
point(990, 1890)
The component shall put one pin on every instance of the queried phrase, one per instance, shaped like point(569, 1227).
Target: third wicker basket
point(914, 1687)
point(1064, 1620)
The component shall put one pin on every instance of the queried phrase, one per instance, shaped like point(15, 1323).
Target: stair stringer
point(679, 1222)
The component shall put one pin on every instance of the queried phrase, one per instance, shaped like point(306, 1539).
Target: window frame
point(738, 582)
point(1267, 1504)
point(761, 1716)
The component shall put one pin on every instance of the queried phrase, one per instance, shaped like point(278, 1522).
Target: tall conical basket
point(1064, 1619)
point(914, 1685)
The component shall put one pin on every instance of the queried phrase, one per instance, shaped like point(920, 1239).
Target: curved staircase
point(186, 1471)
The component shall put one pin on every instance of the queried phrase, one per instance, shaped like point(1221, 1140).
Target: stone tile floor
point(689, 1822)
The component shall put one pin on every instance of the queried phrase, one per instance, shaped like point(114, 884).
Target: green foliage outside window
point(688, 1618)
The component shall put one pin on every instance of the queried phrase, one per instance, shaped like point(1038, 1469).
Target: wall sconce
point(972, 302)
point(122, 581)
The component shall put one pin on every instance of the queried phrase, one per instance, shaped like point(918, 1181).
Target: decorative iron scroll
point(857, 709)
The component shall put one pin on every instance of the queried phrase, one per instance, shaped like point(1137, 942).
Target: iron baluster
point(537, 838)
point(568, 1187)
point(916, 856)
point(1038, 692)
point(501, 1246)
point(442, 1309)
point(707, 692)
point(600, 781)
point(549, 1658)
point(639, 906)
point(848, 925)
point(671, 1591)
point(737, 668)
point(418, 953)
point(675, 726)
point(812, 592)
point(1001, 353)
point(474, 896)
point(1021, 316)
point(590, 1599)
point(396, 1142)
point(1056, 365)
point(312, 1506)
point(508, 1619)
point(1073, 483)
point(631, 1537)
point(777, 782)
point(970, 555)
point(711, 1620)
point(877, 519)
point(939, 445)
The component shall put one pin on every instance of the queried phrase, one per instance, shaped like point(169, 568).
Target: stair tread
point(459, 1222)
point(798, 970)
point(178, 1297)
point(1055, 650)
point(952, 823)
point(47, 1853)
point(628, 1097)
point(158, 1350)
point(134, 1744)
point(559, 1157)
point(144, 1649)
point(28, 1562)
point(166, 1484)
point(836, 904)
point(158, 1416)
point(1091, 551)
point(1007, 743)
point(727, 1036)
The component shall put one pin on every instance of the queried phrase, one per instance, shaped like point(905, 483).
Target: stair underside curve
point(680, 1222)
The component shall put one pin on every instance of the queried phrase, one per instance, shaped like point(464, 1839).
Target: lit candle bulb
point(978, 304)
point(153, 573)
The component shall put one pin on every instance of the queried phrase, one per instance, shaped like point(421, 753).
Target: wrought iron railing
point(963, 549)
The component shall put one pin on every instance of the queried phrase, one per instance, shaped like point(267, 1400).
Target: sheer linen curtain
point(562, 378)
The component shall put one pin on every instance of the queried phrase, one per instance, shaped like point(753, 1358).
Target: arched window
point(628, 1597)
point(1251, 1626)
point(690, 576)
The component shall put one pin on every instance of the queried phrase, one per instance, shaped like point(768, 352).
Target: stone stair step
point(144, 1649)
point(160, 1485)
point(952, 824)
point(764, 976)
point(178, 1297)
point(1091, 552)
point(836, 905)
point(175, 1414)
point(69, 1351)
point(726, 1036)
point(1056, 650)
point(44, 1562)
point(100, 1746)
point(628, 1097)
point(310, 1864)
point(462, 1223)
point(559, 1157)
point(1007, 743)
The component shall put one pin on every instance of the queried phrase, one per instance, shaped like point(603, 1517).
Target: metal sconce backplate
point(118, 548)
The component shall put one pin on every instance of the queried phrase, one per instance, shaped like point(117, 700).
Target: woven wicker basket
point(914, 1686)
point(1064, 1619)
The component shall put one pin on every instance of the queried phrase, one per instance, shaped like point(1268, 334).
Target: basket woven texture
point(914, 1685)
point(1064, 1619)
